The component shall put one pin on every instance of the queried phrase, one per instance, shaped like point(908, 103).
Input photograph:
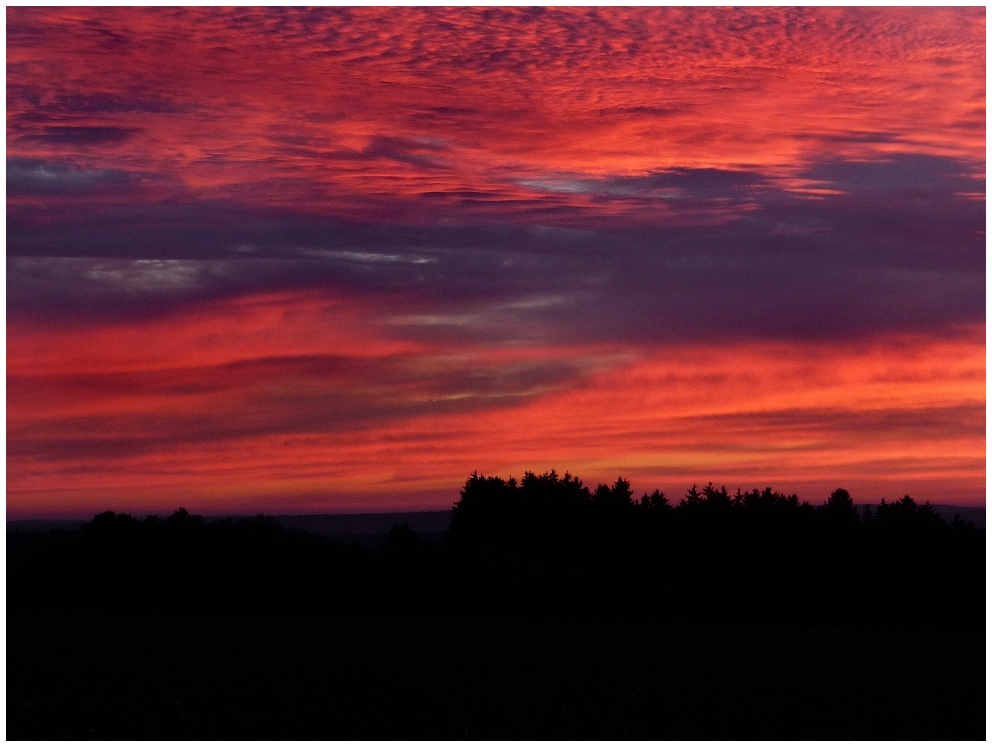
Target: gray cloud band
point(893, 245)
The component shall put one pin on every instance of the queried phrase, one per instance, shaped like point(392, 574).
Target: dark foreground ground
point(137, 675)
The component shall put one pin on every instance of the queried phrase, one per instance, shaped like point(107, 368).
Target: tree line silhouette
point(754, 555)
point(546, 544)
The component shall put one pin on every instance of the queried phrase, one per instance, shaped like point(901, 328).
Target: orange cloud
point(280, 403)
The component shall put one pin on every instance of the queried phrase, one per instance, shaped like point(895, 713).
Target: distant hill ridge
point(368, 525)
point(328, 525)
point(371, 525)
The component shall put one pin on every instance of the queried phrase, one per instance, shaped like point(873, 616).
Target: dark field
point(544, 611)
point(136, 675)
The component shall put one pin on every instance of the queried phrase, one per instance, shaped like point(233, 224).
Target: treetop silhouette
point(545, 543)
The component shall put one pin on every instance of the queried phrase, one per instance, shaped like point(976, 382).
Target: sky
point(301, 261)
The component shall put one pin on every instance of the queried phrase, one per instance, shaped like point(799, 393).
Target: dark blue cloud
point(67, 109)
point(900, 247)
point(112, 103)
point(31, 176)
point(934, 176)
point(83, 135)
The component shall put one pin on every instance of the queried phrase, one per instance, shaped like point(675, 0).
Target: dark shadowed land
point(372, 528)
point(135, 675)
point(369, 530)
point(544, 610)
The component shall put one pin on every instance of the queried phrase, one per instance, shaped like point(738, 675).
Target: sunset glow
point(286, 260)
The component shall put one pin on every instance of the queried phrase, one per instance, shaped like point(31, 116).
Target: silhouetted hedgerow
point(544, 545)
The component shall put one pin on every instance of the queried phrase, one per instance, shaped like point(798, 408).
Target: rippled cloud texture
point(312, 260)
